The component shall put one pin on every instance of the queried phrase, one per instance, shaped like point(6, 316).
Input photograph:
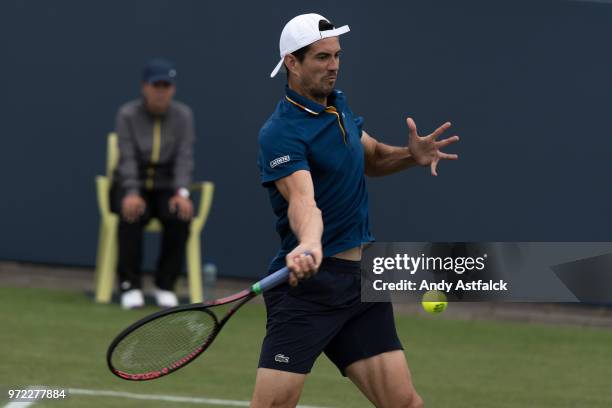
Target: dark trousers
point(174, 238)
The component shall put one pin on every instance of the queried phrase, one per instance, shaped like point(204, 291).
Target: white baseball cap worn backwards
point(301, 31)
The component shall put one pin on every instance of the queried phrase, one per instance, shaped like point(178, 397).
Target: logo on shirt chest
point(279, 160)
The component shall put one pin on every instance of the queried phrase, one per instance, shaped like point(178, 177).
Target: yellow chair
point(106, 259)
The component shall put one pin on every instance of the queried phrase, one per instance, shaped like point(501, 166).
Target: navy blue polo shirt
point(303, 135)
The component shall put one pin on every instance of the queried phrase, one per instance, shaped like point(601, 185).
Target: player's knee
point(279, 400)
point(288, 399)
point(271, 397)
point(415, 401)
point(408, 399)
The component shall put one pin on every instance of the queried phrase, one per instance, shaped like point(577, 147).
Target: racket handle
point(271, 280)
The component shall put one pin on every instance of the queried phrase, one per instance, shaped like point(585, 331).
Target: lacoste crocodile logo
point(281, 358)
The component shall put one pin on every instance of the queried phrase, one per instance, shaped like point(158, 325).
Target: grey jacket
point(155, 152)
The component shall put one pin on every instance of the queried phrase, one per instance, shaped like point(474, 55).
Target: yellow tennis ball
point(434, 301)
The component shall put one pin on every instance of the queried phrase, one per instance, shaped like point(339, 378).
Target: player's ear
point(291, 63)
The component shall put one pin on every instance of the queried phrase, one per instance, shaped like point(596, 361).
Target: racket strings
point(164, 343)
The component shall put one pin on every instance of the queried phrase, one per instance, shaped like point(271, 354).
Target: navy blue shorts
point(324, 314)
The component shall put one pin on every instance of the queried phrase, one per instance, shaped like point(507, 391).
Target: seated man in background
point(156, 136)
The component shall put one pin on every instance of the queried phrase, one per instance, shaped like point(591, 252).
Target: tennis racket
point(163, 342)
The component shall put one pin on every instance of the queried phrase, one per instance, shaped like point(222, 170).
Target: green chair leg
point(194, 268)
point(101, 238)
point(107, 262)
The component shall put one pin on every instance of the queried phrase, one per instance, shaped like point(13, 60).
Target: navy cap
point(159, 70)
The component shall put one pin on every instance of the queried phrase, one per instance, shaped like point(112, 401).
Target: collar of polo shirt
point(306, 104)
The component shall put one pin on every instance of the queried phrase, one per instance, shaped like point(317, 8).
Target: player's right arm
point(306, 223)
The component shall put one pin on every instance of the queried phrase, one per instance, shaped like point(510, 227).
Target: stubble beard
point(321, 90)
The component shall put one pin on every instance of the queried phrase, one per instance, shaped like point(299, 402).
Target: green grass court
point(59, 339)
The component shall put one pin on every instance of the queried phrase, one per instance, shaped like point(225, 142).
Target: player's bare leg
point(385, 380)
point(277, 389)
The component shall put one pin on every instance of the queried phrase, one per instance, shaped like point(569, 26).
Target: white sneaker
point(165, 298)
point(132, 299)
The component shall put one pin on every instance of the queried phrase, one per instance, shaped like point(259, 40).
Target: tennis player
point(313, 158)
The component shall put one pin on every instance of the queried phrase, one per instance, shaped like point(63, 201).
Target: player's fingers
point(299, 272)
point(304, 268)
point(289, 262)
point(309, 266)
point(443, 143)
point(292, 267)
point(310, 261)
point(447, 156)
point(292, 279)
point(294, 264)
point(434, 167)
point(440, 130)
point(412, 129)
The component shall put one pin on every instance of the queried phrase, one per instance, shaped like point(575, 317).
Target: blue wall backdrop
point(527, 85)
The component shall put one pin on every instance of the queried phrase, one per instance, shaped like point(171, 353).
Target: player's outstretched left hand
point(426, 150)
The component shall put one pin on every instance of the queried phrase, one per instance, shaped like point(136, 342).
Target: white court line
point(19, 404)
point(170, 398)
point(24, 404)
